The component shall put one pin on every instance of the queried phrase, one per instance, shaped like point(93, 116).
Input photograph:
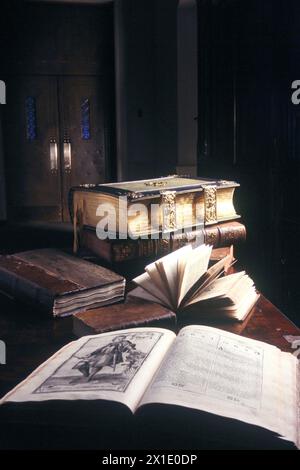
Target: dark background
point(248, 129)
point(123, 54)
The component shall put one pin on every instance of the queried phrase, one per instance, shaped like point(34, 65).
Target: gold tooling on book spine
point(210, 198)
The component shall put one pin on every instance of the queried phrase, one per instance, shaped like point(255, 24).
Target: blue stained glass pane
point(85, 120)
point(30, 109)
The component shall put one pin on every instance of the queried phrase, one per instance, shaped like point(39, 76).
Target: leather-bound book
point(132, 313)
point(118, 251)
point(53, 281)
point(218, 235)
point(179, 202)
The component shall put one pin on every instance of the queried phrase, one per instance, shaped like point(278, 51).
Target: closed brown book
point(131, 314)
point(116, 250)
point(53, 281)
point(218, 235)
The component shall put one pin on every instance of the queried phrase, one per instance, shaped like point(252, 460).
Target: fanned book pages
point(53, 281)
point(183, 282)
point(205, 375)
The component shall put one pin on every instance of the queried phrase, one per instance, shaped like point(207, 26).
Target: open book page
point(159, 282)
point(241, 310)
point(140, 293)
point(213, 311)
point(114, 366)
point(195, 265)
point(217, 269)
point(207, 278)
point(240, 290)
point(167, 268)
point(222, 373)
point(218, 288)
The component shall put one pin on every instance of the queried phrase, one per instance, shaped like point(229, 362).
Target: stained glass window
point(30, 108)
point(85, 120)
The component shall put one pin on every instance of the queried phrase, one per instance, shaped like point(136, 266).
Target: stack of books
point(150, 218)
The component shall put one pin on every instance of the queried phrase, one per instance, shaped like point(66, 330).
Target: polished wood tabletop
point(32, 338)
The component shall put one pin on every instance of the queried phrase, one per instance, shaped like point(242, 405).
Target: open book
point(182, 282)
point(203, 369)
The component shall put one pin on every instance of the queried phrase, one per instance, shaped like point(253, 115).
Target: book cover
point(181, 201)
point(53, 281)
point(132, 313)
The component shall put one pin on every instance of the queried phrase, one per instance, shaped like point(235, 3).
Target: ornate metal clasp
point(210, 204)
point(169, 210)
point(155, 183)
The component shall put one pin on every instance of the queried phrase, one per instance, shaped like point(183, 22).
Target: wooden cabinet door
point(56, 136)
point(57, 59)
point(30, 123)
point(83, 128)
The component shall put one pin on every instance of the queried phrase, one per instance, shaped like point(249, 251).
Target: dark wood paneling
point(59, 55)
point(89, 156)
point(248, 127)
point(33, 190)
point(57, 39)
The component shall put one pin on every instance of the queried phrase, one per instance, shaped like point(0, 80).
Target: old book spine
point(231, 233)
point(116, 251)
point(123, 251)
point(211, 236)
point(218, 236)
point(181, 239)
point(113, 251)
point(141, 248)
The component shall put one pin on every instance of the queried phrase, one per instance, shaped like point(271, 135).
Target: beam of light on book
point(183, 282)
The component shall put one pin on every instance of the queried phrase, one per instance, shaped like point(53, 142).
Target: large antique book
point(180, 202)
point(53, 281)
point(116, 250)
point(201, 378)
point(183, 282)
point(132, 313)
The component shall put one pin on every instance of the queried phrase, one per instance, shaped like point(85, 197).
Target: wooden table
point(31, 339)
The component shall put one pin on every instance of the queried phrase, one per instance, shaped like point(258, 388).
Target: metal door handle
point(67, 156)
point(53, 156)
